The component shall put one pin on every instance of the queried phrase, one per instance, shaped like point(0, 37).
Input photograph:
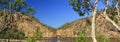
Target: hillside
point(25, 23)
point(30, 25)
point(75, 28)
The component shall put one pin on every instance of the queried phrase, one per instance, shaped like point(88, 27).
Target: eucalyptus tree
point(13, 6)
point(83, 7)
point(3, 4)
point(16, 6)
point(116, 4)
point(4, 7)
point(106, 16)
point(19, 5)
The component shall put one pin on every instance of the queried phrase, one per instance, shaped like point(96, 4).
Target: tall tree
point(3, 4)
point(4, 7)
point(107, 17)
point(16, 6)
point(13, 6)
point(116, 4)
point(83, 7)
point(93, 21)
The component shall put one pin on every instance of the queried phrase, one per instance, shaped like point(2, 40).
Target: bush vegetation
point(30, 39)
point(34, 38)
point(82, 38)
point(11, 33)
point(102, 38)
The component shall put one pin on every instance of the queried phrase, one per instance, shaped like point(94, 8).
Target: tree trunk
point(106, 16)
point(112, 22)
point(118, 13)
point(93, 22)
point(9, 21)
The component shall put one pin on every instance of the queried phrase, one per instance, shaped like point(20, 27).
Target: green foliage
point(82, 38)
point(82, 7)
point(20, 34)
point(30, 10)
point(66, 25)
point(111, 11)
point(9, 7)
point(1, 13)
point(13, 6)
point(16, 6)
point(30, 39)
point(4, 18)
point(34, 38)
point(11, 33)
point(38, 34)
point(48, 27)
point(88, 21)
point(102, 38)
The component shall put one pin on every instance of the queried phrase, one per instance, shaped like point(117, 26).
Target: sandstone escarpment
point(72, 29)
point(77, 27)
point(26, 23)
point(30, 25)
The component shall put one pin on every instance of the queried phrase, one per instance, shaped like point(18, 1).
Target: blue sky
point(54, 12)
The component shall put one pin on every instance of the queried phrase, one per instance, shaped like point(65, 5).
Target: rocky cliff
point(29, 25)
point(26, 23)
point(103, 27)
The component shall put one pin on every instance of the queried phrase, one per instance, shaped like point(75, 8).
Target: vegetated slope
point(30, 25)
point(103, 27)
point(26, 23)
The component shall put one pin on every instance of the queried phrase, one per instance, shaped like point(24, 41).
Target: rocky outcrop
point(77, 27)
point(30, 25)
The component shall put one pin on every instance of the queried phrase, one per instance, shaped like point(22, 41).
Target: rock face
point(30, 25)
point(103, 27)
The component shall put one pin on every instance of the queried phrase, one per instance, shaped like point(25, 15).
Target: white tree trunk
point(118, 11)
point(106, 16)
point(93, 22)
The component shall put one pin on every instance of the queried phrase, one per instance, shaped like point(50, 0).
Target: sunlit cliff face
point(30, 25)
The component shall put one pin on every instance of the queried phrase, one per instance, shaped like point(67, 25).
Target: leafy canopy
point(16, 6)
point(82, 7)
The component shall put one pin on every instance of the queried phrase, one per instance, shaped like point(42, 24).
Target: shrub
point(30, 39)
point(82, 38)
point(11, 33)
point(102, 38)
point(119, 39)
point(38, 34)
point(34, 38)
point(20, 34)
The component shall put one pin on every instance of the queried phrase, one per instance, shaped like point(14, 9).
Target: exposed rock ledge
point(30, 25)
